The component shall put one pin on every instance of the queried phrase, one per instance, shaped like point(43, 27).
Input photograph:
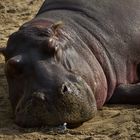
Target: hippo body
point(71, 59)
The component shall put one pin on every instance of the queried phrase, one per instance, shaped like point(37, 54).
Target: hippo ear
point(2, 50)
point(57, 25)
point(53, 42)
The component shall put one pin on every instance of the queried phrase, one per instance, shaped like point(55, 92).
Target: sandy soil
point(113, 122)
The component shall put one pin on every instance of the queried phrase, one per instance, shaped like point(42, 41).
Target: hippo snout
point(69, 88)
point(73, 104)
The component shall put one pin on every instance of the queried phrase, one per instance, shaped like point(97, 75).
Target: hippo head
point(44, 86)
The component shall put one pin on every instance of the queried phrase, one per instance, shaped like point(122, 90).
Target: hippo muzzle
point(73, 103)
point(49, 95)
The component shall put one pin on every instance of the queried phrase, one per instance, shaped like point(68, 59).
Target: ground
point(113, 122)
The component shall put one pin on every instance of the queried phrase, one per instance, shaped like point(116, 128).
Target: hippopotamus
point(71, 59)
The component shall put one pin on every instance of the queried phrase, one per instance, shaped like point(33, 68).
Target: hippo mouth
point(74, 105)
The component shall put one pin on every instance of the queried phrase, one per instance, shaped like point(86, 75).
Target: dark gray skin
point(64, 71)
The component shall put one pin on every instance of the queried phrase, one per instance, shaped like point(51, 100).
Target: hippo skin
point(71, 59)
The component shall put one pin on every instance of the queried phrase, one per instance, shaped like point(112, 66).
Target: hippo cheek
point(74, 104)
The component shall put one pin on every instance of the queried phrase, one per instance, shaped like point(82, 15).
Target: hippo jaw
point(74, 105)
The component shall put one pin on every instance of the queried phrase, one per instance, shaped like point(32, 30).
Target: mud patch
point(112, 122)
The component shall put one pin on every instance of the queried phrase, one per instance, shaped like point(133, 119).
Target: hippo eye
point(46, 33)
point(15, 66)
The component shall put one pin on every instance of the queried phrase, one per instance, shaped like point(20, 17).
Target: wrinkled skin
point(64, 71)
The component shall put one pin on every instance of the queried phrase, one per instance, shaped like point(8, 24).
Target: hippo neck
point(98, 59)
point(103, 57)
point(97, 49)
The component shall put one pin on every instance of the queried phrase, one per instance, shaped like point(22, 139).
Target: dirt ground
point(113, 122)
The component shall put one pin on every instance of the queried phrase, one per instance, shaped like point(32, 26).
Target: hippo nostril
point(66, 88)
